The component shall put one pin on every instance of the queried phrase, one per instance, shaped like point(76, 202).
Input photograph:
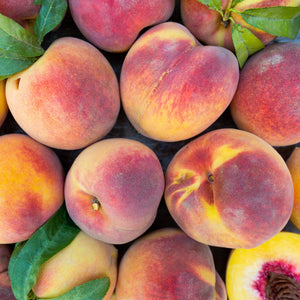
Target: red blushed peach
point(21, 11)
point(229, 188)
point(114, 25)
point(167, 264)
point(173, 88)
point(31, 186)
point(3, 103)
point(269, 271)
point(84, 259)
point(293, 164)
point(69, 98)
point(5, 285)
point(213, 28)
point(267, 100)
point(113, 189)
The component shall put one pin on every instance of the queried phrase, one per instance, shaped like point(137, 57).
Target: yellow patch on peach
point(3, 103)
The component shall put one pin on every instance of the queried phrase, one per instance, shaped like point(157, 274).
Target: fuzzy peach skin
point(69, 98)
point(267, 100)
point(3, 103)
point(31, 186)
point(5, 285)
point(22, 11)
point(84, 259)
point(293, 163)
point(113, 189)
point(114, 25)
point(269, 271)
point(166, 264)
point(229, 188)
point(211, 28)
point(173, 88)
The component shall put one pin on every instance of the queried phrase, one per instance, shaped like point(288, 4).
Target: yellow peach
point(3, 103)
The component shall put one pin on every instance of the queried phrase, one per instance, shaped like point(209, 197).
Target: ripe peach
point(3, 103)
point(84, 259)
point(293, 164)
point(69, 98)
point(167, 264)
point(269, 271)
point(113, 189)
point(21, 11)
point(211, 28)
point(229, 188)
point(267, 100)
point(5, 285)
point(114, 25)
point(31, 186)
point(173, 88)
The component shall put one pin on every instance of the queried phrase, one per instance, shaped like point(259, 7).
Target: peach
point(21, 11)
point(173, 88)
point(269, 271)
point(31, 186)
point(167, 264)
point(84, 259)
point(293, 163)
point(3, 103)
point(113, 189)
point(212, 28)
point(69, 98)
point(114, 25)
point(267, 100)
point(229, 188)
point(5, 285)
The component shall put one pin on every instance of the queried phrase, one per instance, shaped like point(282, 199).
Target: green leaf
point(212, 4)
point(245, 43)
point(15, 38)
point(92, 290)
point(235, 2)
point(11, 63)
point(50, 16)
point(279, 21)
point(27, 257)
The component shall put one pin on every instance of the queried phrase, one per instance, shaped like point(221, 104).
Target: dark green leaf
point(15, 38)
point(279, 21)
point(212, 4)
point(245, 43)
point(27, 258)
point(11, 63)
point(91, 290)
point(50, 16)
point(235, 2)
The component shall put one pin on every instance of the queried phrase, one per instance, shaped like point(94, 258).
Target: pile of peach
point(76, 132)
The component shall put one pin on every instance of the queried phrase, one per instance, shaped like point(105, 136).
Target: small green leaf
point(27, 257)
point(15, 38)
point(50, 16)
point(11, 63)
point(212, 4)
point(92, 290)
point(245, 43)
point(235, 2)
point(279, 21)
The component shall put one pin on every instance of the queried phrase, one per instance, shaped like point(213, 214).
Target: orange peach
point(31, 186)
point(269, 271)
point(293, 164)
point(84, 259)
point(167, 264)
point(69, 98)
point(5, 285)
point(213, 28)
point(113, 189)
point(229, 188)
point(173, 88)
point(267, 100)
point(3, 103)
point(114, 25)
